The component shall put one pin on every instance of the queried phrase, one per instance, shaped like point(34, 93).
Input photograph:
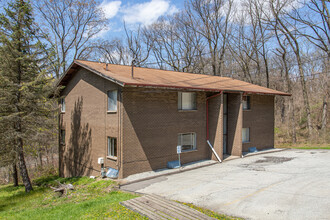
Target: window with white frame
point(187, 141)
point(246, 102)
point(112, 147)
point(187, 101)
point(246, 135)
point(112, 100)
point(62, 137)
point(62, 102)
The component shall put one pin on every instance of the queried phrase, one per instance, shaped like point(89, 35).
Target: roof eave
point(64, 75)
point(169, 87)
point(199, 89)
point(269, 93)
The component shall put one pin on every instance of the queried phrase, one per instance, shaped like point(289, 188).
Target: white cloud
point(148, 12)
point(173, 10)
point(102, 33)
point(110, 9)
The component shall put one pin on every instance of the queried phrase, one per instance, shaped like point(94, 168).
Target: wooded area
point(279, 44)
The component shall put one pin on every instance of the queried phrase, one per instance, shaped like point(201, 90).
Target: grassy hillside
point(305, 146)
point(91, 199)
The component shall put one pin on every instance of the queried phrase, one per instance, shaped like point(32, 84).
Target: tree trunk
point(324, 115)
point(292, 119)
point(40, 158)
point(282, 110)
point(291, 103)
point(15, 175)
point(52, 156)
point(267, 72)
point(22, 166)
point(325, 97)
point(305, 93)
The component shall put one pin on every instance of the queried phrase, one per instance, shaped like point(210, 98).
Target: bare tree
point(135, 46)
point(139, 46)
point(261, 35)
point(285, 27)
point(317, 20)
point(211, 19)
point(282, 53)
point(174, 44)
point(69, 25)
point(241, 49)
point(114, 52)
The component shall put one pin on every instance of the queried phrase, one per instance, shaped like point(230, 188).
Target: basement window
point(245, 135)
point(112, 101)
point(187, 141)
point(112, 147)
point(246, 102)
point(62, 103)
point(187, 101)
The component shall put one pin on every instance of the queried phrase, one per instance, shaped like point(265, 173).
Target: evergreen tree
point(23, 84)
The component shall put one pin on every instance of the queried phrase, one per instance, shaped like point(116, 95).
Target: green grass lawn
point(90, 199)
point(305, 146)
point(210, 213)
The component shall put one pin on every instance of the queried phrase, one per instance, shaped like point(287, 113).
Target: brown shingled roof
point(147, 77)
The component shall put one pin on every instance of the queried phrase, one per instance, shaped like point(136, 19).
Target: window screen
point(112, 147)
point(62, 105)
point(246, 135)
point(187, 101)
point(112, 100)
point(187, 141)
point(246, 103)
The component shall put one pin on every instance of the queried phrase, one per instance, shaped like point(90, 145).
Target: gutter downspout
point(207, 125)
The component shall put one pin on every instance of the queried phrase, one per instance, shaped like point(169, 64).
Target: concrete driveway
point(292, 184)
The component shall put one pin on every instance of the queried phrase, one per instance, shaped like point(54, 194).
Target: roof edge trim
point(169, 87)
point(270, 93)
point(200, 89)
point(63, 75)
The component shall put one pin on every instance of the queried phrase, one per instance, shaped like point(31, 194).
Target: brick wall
point(151, 124)
point(216, 125)
point(260, 120)
point(235, 120)
point(87, 125)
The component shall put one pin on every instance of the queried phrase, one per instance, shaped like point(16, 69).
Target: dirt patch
point(275, 160)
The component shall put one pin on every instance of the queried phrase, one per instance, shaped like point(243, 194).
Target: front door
point(225, 118)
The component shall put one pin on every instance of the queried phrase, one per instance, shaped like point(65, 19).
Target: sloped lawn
point(91, 199)
point(305, 146)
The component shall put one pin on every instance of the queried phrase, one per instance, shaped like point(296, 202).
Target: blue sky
point(135, 13)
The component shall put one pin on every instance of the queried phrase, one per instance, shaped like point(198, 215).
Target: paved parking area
point(292, 184)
